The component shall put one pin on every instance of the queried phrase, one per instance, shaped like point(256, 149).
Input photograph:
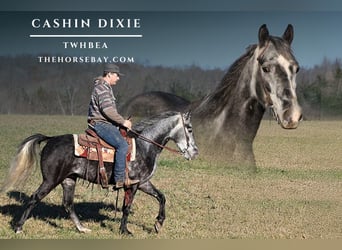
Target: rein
point(163, 146)
point(155, 143)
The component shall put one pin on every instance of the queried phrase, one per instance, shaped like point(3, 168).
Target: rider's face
point(113, 78)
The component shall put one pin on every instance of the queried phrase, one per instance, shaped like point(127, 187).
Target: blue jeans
point(112, 136)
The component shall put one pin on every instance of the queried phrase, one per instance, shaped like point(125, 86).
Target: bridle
point(267, 93)
point(186, 136)
point(268, 99)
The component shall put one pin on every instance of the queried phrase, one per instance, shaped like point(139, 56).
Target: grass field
point(295, 194)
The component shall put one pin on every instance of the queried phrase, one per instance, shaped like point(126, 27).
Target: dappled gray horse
point(265, 76)
point(59, 165)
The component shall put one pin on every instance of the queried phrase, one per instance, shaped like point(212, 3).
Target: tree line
point(30, 87)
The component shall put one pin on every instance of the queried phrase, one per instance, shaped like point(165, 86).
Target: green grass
point(295, 193)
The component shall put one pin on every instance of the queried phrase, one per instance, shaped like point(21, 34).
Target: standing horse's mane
point(147, 122)
point(215, 101)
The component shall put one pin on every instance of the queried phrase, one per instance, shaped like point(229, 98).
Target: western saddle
point(90, 140)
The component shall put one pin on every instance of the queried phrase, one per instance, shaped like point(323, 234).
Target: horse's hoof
point(125, 232)
point(157, 226)
point(18, 230)
point(84, 230)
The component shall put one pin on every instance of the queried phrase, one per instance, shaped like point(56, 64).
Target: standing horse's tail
point(24, 161)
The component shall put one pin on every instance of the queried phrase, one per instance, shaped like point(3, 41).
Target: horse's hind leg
point(150, 189)
point(43, 190)
point(68, 202)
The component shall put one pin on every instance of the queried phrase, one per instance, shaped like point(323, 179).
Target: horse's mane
point(148, 122)
point(214, 102)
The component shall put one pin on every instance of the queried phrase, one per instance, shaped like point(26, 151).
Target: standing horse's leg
point(150, 189)
point(43, 190)
point(68, 202)
point(126, 207)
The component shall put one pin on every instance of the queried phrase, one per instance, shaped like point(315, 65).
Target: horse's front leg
point(150, 189)
point(126, 207)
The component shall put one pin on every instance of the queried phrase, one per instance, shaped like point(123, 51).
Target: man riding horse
point(105, 120)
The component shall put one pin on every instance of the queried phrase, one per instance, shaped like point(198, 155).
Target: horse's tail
point(24, 161)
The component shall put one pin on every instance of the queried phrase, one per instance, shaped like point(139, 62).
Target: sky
point(210, 37)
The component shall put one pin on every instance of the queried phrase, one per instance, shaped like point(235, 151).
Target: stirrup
point(129, 182)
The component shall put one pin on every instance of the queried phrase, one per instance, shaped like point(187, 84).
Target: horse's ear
point(288, 34)
point(263, 35)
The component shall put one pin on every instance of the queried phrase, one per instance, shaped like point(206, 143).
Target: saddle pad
point(91, 152)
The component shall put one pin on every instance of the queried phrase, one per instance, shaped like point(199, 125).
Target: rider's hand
point(127, 124)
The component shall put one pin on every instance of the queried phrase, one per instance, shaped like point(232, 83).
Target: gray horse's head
point(276, 71)
point(183, 136)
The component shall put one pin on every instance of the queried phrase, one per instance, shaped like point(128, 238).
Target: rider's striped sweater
point(102, 105)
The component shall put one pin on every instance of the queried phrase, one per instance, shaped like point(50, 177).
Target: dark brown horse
point(263, 77)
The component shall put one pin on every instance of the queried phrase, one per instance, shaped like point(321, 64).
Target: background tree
point(30, 87)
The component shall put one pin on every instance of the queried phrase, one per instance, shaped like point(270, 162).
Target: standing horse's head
point(183, 136)
point(277, 70)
